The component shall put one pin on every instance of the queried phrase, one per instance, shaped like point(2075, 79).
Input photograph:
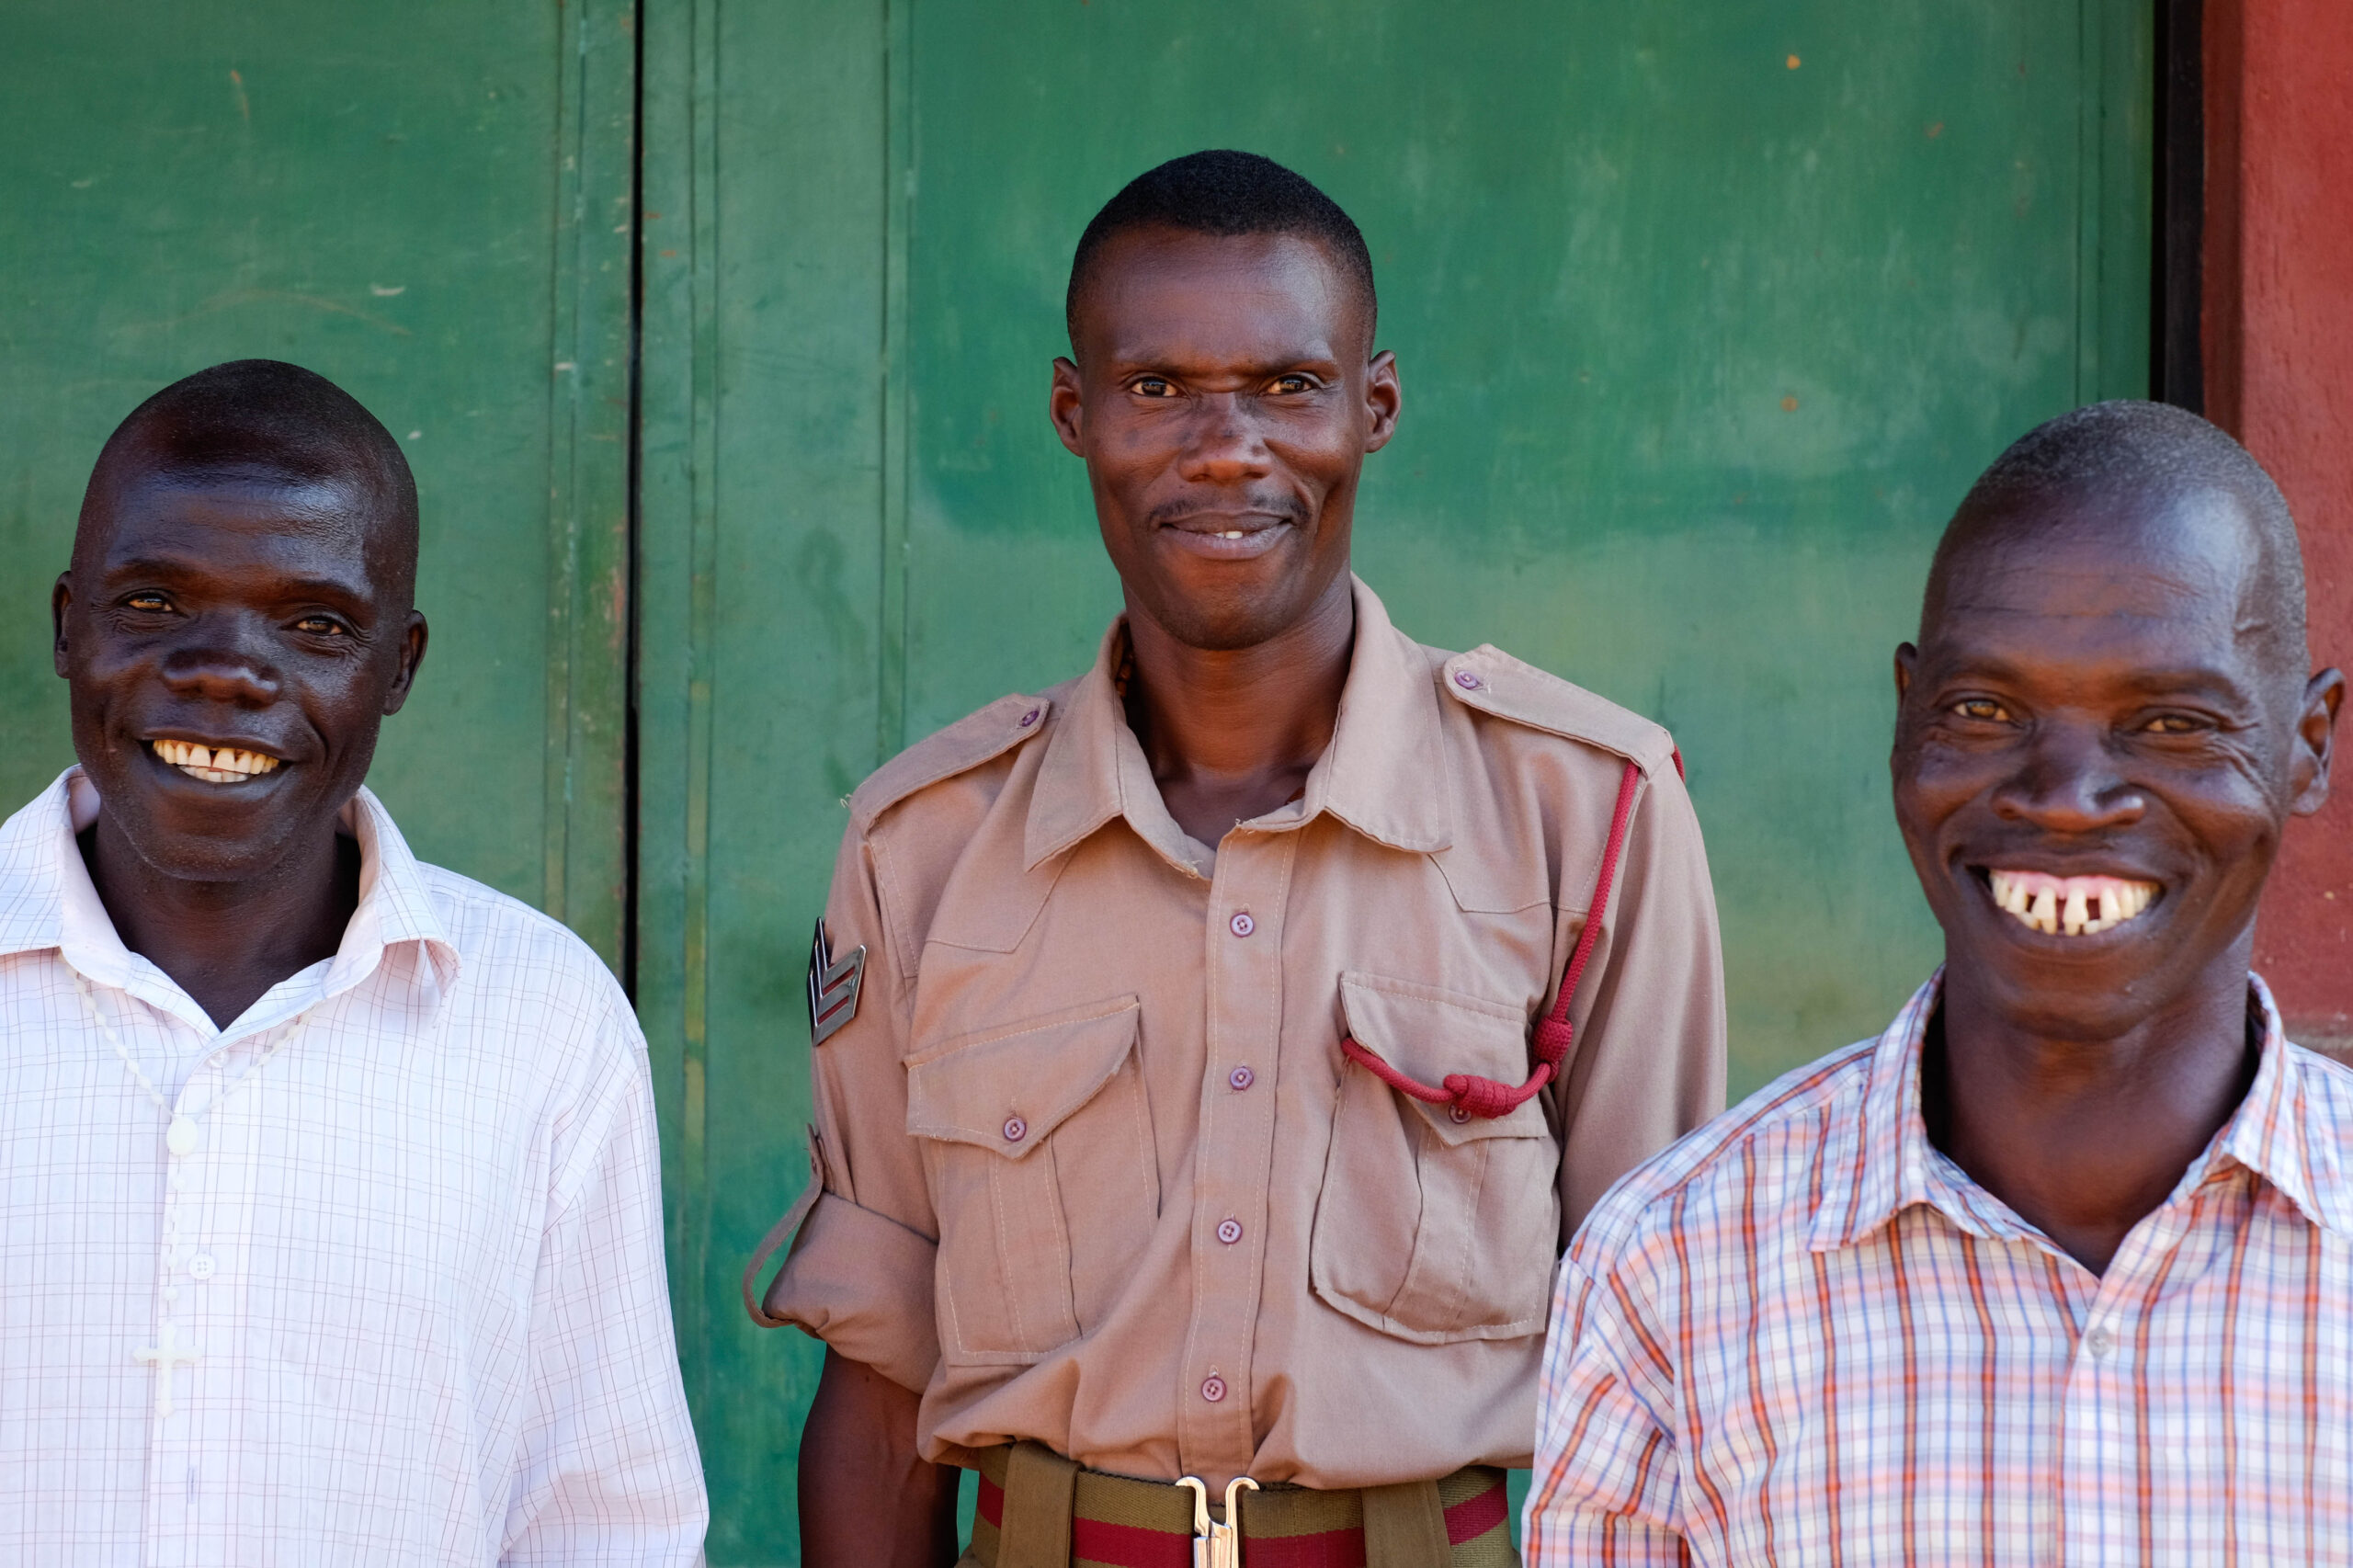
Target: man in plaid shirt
point(2060, 1267)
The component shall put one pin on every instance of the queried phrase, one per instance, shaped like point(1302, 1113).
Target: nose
point(223, 661)
point(2068, 782)
point(1224, 443)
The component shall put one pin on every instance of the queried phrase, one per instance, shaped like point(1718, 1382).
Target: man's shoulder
point(956, 752)
point(1775, 1133)
point(509, 948)
point(1493, 685)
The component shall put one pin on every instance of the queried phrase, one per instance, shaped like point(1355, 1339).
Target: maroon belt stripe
point(1130, 1546)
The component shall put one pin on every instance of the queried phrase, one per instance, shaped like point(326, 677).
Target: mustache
point(1286, 509)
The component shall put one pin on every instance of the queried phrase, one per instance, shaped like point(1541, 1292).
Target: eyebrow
point(2150, 679)
point(178, 567)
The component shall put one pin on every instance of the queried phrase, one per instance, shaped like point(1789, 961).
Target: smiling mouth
point(2076, 906)
point(214, 765)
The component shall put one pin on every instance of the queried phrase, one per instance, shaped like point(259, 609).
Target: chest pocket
point(1427, 1228)
point(1034, 1133)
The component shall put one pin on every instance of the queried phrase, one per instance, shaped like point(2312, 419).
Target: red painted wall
point(2278, 349)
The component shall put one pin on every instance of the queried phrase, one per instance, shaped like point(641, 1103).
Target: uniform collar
point(1879, 1162)
point(1384, 773)
point(47, 900)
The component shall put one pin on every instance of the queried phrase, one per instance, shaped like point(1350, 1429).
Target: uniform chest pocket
point(1427, 1228)
point(1037, 1139)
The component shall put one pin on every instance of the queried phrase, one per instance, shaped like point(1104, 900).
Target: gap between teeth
point(2081, 906)
point(223, 766)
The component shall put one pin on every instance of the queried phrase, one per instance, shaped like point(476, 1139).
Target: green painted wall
point(1699, 347)
point(1707, 313)
point(418, 202)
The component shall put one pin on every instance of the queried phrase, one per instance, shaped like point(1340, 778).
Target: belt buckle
point(1217, 1545)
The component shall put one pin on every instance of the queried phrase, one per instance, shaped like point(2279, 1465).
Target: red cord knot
point(1552, 1038)
point(1486, 1098)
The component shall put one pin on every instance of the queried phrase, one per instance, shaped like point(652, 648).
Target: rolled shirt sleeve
point(1649, 1063)
point(860, 1272)
point(606, 1469)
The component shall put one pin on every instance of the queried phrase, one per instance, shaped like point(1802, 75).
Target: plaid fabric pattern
point(419, 1254)
point(1802, 1334)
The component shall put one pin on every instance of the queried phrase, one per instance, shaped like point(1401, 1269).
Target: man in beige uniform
point(1185, 1078)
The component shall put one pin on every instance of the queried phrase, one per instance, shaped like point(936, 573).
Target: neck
point(2082, 1137)
point(1232, 733)
point(227, 943)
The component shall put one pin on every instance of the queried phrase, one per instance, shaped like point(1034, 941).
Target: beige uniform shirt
point(1095, 1171)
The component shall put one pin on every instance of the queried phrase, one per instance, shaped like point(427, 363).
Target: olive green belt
point(1039, 1510)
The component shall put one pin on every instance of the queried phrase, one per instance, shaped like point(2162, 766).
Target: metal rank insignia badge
point(833, 986)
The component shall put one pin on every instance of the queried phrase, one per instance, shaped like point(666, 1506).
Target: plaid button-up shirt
point(1802, 1334)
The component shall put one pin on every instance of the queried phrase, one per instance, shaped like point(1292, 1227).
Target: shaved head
point(262, 420)
point(2133, 471)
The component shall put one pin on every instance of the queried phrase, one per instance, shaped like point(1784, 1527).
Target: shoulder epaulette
point(961, 747)
point(1492, 681)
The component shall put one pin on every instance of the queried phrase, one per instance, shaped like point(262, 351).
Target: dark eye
point(2174, 724)
point(1153, 386)
point(1294, 384)
point(319, 626)
point(150, 602)
point(1983, 710)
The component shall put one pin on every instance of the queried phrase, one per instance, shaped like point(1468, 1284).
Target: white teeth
point(2044, 903)
point(221, 764)
point(1230, 533)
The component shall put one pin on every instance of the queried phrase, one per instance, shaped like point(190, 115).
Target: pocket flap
point(1427, 1031)
point(1007, 1089)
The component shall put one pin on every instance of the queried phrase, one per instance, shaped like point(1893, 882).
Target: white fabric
point(418, 1258)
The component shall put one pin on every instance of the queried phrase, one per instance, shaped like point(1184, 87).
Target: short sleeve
point(860, 1273)
point(1649, 1063)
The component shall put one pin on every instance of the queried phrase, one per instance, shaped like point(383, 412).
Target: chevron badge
point(832, 987)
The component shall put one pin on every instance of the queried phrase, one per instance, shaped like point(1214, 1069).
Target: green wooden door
point(420, 202)
point(1707, 313)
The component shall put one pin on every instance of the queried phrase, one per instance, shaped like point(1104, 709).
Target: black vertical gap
point(2177, 273)
point(632, 609)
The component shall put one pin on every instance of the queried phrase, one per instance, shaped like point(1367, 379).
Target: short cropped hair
point(2151, 449)
point(1224, 192)
point(267, 415)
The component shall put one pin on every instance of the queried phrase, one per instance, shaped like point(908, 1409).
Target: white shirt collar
point(47, 900)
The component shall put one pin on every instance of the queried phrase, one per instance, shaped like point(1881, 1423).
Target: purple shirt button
point(1029, 717)
point(1242, 1077)
point(1212, 1389)
point(1242, 923)
point(1466, 680)
point(1229, 1230)
point(1015, 1130)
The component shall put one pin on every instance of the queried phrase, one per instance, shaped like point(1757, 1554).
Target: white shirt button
point(2099, 1342)
point(201, 1266)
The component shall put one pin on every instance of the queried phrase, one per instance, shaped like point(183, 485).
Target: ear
point(1065, 406)
point(1382, 398)
point(2315, 741)
point(60, 600)
point(412, 655)
point(1907, 658)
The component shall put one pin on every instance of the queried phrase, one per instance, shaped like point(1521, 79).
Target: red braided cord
point(1470, 1094)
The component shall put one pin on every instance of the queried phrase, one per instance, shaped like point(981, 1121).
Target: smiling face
point(1224, 401)
point(233, 641)
point(2098, 743)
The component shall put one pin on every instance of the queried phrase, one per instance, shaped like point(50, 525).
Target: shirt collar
point(1879, 1162)
point(1384, 773)
point(47, 900)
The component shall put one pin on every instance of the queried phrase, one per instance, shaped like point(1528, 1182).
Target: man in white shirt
point(329, 1220)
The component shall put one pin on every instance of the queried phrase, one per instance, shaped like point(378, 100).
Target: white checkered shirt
point(418, 1255)
point(1803, 1335)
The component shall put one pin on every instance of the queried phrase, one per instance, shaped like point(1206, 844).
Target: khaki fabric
point(1095, 1172)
